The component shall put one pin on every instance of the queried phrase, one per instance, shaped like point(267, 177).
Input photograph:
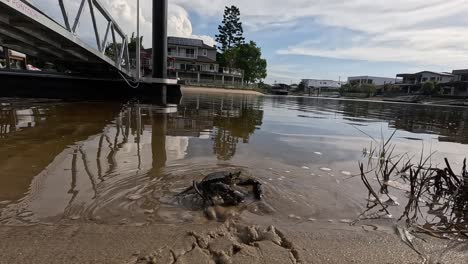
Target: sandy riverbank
point(214, 243)
point(194, 89)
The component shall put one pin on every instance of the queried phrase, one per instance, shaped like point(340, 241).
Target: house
point(460, 75)
point(194, 62)
point(458, 87)
point(425, 76)
point(378, 81)
point(412, 82)
point(314, 86)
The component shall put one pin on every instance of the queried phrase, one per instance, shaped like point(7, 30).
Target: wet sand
point(205, 90)
point(212, 243)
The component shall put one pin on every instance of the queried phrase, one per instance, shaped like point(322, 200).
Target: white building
point(313, 86)
point(313, 83)
point(372, 80)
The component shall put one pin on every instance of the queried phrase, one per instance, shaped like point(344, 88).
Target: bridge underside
point(43, 38)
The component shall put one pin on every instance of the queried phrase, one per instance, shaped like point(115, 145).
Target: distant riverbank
point(217, 90)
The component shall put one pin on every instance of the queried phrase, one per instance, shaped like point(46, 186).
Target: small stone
point(287, 171)
point(134, 197)
point(25, 214)
point(294, 216)
point(148, 211)
point(330, 221)
point(305, 168)
point(312, 219)
point(325, 169)
point(346, 221)
point(75, 217)
point(318, 153)
point(347, 173)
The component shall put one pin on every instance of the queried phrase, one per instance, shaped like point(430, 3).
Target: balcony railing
point(181, 55)
point(232, 71)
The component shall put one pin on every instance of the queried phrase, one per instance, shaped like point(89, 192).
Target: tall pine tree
point(230, 31)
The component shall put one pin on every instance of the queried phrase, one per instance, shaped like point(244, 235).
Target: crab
point(222, 185)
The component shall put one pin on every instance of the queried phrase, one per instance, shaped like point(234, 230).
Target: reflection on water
point(112, 163)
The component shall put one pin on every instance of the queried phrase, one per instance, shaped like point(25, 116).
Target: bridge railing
point(117, 50)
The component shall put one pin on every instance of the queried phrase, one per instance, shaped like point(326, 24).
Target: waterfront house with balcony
point(377, 81)
point(194, 62)
point(412, 82)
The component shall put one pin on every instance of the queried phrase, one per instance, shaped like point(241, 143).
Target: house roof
point(368, 77)
point(419, 73)
point(188, 42)
point(460, 71)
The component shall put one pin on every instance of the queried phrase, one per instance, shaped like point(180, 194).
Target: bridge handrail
point(122, 55)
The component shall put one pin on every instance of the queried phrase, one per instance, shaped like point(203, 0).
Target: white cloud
point(124, 12)
point(429, 32)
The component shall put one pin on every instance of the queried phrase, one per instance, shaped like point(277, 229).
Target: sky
point(321, 39)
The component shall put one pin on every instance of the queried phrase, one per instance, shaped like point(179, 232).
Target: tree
point(248, 57)
point(131, 46)
point(429, 88)
point(230, 31)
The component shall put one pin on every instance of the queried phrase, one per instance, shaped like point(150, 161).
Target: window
point(370, 81)
point(212, 67)
point(205, 52)
point(424, 79)
point(172, 51)
point(190, 53)
point(433, 78)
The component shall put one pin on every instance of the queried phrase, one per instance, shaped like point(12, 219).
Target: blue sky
point(324, 39)
point(361, 37)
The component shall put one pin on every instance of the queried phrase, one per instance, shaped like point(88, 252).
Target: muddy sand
point(216, 243)
point(193, 89)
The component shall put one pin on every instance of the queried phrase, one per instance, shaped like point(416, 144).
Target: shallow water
point(124, 163)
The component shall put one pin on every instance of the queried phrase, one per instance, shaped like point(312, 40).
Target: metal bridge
point(26, 29)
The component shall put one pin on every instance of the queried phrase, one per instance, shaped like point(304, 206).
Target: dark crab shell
point(218, 176)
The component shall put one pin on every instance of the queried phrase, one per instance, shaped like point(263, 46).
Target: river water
point(117, 163)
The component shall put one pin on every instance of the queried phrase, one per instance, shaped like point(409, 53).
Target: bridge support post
point(160, 39)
